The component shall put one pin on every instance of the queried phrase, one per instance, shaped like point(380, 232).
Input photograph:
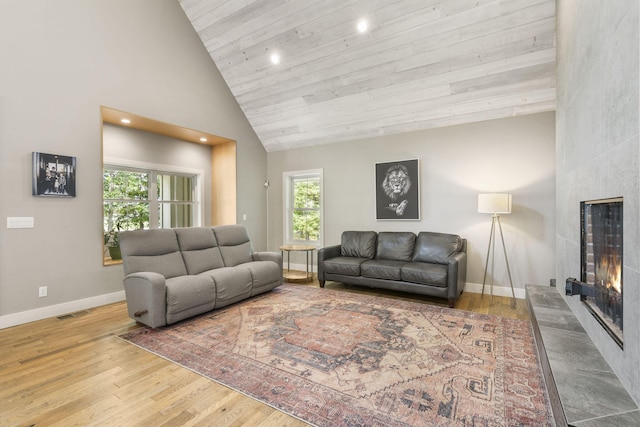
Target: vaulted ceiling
point(420, 64)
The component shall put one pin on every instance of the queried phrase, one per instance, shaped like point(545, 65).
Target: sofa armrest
point(268, 256)
point(323, 254)
point(146, 294)
point(456, 275)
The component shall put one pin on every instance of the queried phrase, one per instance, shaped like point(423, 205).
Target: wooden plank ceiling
point(421, 64)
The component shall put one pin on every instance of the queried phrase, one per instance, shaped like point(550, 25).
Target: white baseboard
point(499, 291)
point(22, 317)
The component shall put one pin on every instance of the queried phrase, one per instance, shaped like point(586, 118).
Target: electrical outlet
point(42, 291)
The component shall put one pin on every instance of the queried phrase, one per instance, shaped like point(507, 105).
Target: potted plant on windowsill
point(112, 243)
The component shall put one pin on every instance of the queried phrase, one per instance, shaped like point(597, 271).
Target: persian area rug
point(334, 358)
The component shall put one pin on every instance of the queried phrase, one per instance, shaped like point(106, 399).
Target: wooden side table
point(308, 275)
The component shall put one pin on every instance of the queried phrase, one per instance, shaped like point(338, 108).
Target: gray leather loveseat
point(172, 274)
point(432, 264)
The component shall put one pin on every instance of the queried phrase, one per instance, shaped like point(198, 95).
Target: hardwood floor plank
point(77, 371)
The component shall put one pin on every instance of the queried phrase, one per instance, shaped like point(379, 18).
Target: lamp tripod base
point(491, 250)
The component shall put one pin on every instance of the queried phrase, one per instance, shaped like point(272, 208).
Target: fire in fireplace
point(601, 263)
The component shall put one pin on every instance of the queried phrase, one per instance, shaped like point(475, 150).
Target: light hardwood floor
point(74, 371)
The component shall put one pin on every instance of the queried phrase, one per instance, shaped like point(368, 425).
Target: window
point(126, 205)
point(176, 200)
point(137, 197)
point(303, 207)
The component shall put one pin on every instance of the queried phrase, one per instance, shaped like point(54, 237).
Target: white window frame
point(287, 179)
point(198, 210)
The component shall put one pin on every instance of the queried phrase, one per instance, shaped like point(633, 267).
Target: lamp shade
point(494, 203)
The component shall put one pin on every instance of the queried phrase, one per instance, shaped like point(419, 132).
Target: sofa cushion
point(199, 249)
point(188, 296)
point(436, 247)
point(425, 273)
point(234, 244)
point(382, 269)
point(263, 273)
point(395, 245)
point(359, 244)
point(152, 250)
point(232, 283)
point(348, 266)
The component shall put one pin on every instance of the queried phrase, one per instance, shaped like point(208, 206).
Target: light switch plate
point(20, 222)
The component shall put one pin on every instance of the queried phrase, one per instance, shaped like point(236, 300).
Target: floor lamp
point(266, 187)
point(495, 204)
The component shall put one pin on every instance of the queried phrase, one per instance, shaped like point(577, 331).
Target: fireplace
point(601, 263)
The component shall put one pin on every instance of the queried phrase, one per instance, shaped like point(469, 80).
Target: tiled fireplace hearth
point(584, 390)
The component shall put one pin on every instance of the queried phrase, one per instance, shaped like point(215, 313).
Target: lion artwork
point(396, 185)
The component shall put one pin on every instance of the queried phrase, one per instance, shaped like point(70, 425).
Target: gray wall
point(598, 152)
point(513, 155)
point(61, 61)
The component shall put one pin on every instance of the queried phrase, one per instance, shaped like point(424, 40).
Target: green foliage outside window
point(126, 205)
point(306, 208)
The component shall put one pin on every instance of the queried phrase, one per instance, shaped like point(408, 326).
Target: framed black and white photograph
point(397, 190)
point(54, 175)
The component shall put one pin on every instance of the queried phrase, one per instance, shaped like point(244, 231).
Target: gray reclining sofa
point(432, 264)
point(173, 274)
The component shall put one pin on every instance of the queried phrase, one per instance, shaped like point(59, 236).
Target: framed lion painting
point(397, 190)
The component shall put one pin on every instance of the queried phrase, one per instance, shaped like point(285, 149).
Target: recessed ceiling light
point(203, 139)
point(275, 58)
point(125, 121)
point(363, 26)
